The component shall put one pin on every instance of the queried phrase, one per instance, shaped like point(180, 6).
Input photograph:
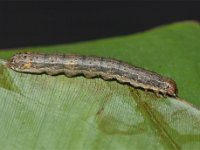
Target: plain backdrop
point(43, 23)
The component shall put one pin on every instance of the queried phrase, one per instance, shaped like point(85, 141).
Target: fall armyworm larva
point(91, 66)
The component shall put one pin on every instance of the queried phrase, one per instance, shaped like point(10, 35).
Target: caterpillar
point(92, 66)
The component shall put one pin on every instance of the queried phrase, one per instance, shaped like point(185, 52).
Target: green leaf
point(56, 112)
point(171, 50)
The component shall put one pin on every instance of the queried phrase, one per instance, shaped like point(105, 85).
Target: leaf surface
point(56, 112)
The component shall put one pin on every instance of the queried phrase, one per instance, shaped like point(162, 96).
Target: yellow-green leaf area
point(56, 112)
